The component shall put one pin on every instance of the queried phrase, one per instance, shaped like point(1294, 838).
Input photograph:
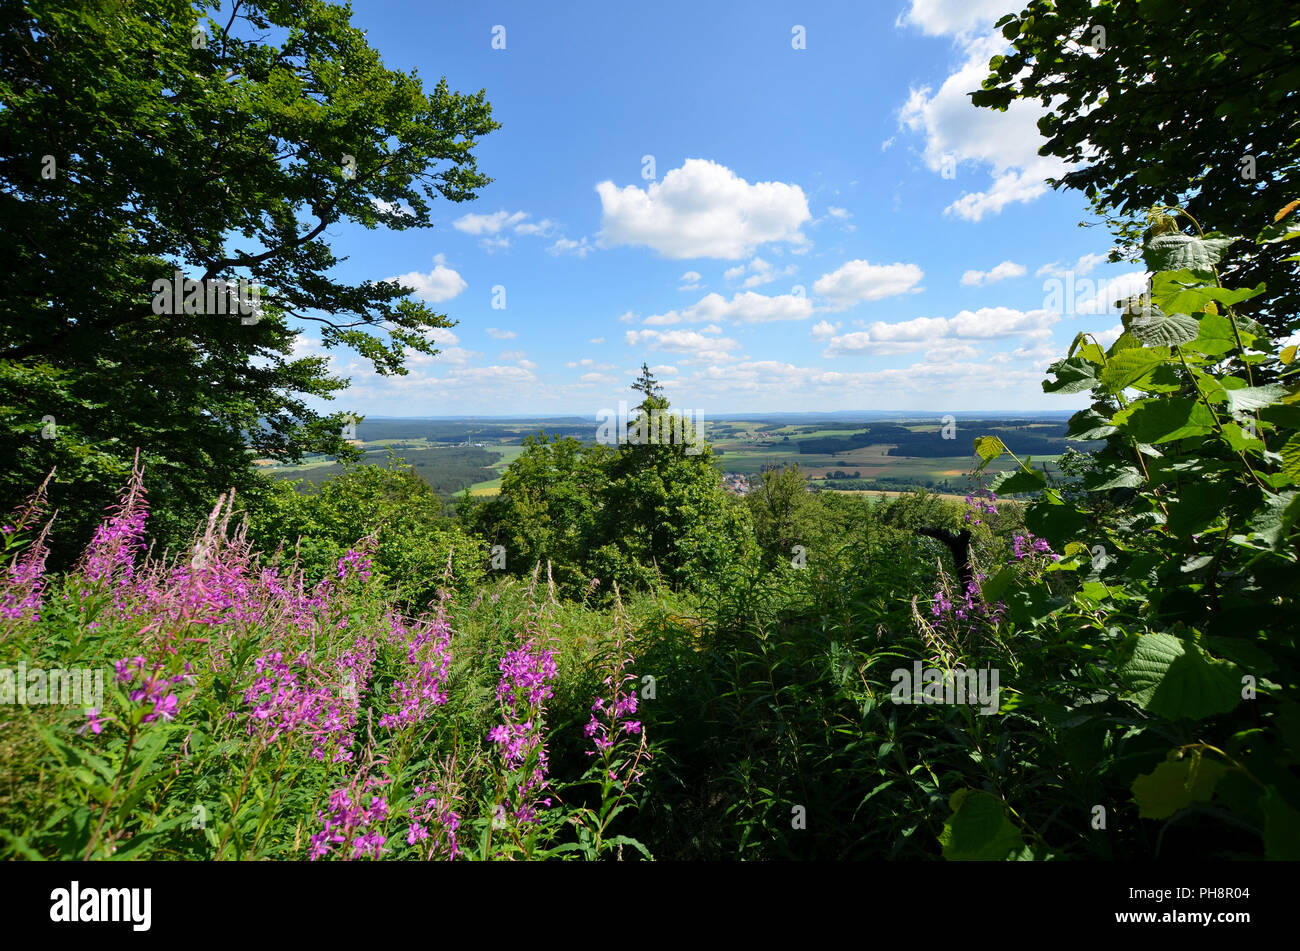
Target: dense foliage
point(141, 140)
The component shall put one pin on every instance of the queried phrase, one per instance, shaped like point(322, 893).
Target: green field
point(454, 455)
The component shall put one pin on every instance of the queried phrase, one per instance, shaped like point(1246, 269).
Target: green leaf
point(1273, 523)
point(1131, 365)
point(1159, 329)
point(988, 448)
point(1176, 784)
point(993, 588)
point(978, 829)
point(1173, 251)
point(1216, 337)
point(1089, 424)
point(1018, 480)
point(1256, 397)
point(1182, 292)
point(1072, 375)
point(1160, 420)
point(1174, 678)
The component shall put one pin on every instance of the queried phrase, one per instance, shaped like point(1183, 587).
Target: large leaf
point(1018, 480)
point(1176, 784)
point(1175, 679)
point(1215, 337)
point(978, 829)
point(1159, 329)
point(1160, 420)
point(1182, 292)
point(1132, 365)
point(1089, 424)
point(1173, 251)
point(1273, 523)
point(1256, 397)
point(1072, 375)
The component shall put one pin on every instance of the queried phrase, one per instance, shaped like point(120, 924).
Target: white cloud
point(568, 246)
point(392, 208)
point(1001, 272)
point(596, 340)
point(499, 334)
point(760, 272)
point(824, 330)
point(944, 17)
point(1000, 322)
point(919, 333)
point(440, 284)
point(688, 342)
point(690, 281)
point(540, 228)
point(1107, 337)
point(514, 356)
point(745, 307)
point(1104, 300)
point(862, 281)
point(957, 132)
point(488, 224)
point(703, 209)
point(841, 213)
point(1085, 265)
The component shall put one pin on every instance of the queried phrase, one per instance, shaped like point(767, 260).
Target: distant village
point(737, 483)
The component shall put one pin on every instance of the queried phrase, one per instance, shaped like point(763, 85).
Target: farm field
point(453, 455)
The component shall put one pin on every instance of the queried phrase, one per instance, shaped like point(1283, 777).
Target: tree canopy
point(150, 142)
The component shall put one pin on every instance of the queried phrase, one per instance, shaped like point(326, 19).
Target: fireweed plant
point(249, 713)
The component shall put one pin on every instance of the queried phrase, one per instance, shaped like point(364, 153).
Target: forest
point(612, 657)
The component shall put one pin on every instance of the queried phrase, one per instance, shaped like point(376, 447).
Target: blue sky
point(824, 228)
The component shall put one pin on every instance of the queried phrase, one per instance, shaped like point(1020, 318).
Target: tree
point(547, 508)
point(1168, 103)
point(143, 141)
point(779, 507)
point(651, 509)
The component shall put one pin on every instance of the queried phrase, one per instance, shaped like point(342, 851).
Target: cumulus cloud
point(689, 342)
point(702, 210)
point(926, 332)
point(498, 334)
point(824, 330)
point(1001, 272)
point(956, 132)
point(760, 272)
point(746, 307)
point(949, 17)
point(488, 224)
point(690, 281)
point(1103, 301)
point(1084, 265)
point(859, 281)
point(568, 246)
point(440, 284)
